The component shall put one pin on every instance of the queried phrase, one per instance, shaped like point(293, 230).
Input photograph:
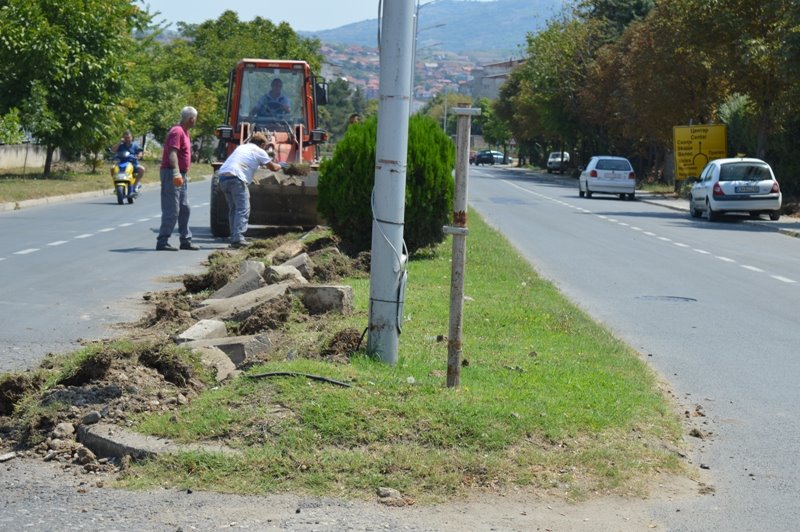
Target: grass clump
point(548, 400)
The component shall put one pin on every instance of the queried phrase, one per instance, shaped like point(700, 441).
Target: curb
point(112, 441)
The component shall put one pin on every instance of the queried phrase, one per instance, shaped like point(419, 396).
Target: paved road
point(713, 308)
point(72, 269)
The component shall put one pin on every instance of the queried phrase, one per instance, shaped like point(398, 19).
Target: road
point(711, 306)
point(73, 269)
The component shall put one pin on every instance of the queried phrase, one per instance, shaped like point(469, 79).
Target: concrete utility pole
point(459, 232)
point(388, 268)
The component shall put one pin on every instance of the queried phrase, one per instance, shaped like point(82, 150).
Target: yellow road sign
point(694, 146)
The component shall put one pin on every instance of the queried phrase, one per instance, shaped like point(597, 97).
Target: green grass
point(548, 399)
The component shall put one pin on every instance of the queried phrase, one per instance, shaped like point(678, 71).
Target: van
point(557, 162)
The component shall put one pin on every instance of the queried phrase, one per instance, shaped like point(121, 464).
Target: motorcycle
point(123, 174)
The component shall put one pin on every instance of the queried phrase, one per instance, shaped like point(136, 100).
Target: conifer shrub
point(346, 181)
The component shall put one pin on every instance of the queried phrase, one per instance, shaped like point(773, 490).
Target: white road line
point(623, 224)
point(702, 251)
point(87, 235)
point(128, 224)
point(783, 279)
point(57, 243)
point(613, 220)
point(725, 259)
point(665, 239)
point(143, 220)
point(680, 245)
point(106, 230)
point(2, 258)
point(752, 268)
point(648, 233)
point(26, 251)
point(636, 228)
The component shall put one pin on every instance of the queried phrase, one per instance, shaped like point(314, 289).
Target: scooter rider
point(125, 146)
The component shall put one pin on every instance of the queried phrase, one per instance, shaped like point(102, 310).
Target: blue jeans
point(237, 194)
point(174, 209)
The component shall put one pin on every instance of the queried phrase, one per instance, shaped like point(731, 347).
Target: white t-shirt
point(244, 161)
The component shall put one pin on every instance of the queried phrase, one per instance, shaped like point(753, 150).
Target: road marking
point(636, 228)
point(26, 251)
point(57, 243)
point(106, 230)
point(783, 279)
point(143, 220)
point(725, 259)
point(665, 239)
point(623, 224)
point(128, 224)
point(680, 245)
point(87, 235)
point(702, 251)
point(752, 268)
point(648, 233)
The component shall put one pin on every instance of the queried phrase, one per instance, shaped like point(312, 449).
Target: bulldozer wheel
point(219, 211)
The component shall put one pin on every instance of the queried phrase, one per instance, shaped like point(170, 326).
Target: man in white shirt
point(235, 176)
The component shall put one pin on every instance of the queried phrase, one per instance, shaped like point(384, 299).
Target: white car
point(557, 162)
point(736, 185)
point(608, 175)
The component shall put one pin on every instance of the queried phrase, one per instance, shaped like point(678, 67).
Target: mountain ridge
point(459, 26)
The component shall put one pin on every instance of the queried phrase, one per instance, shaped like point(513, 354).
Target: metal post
point(388, 267)
point(459, 232)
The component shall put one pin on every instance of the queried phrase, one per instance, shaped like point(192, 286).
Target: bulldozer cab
point(272, 95)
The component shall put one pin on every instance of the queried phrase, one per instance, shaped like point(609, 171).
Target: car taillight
point(775, 187)
point(718, 190)
point(632, 176)
point(593, 173)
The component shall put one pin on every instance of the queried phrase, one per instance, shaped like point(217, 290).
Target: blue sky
point(302, 15)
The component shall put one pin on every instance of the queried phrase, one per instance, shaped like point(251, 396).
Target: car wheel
point(581, 193)
point(693, 210)
point(775, 216)
point(632, 196)
point(549, 170)
point(711, 216)
point(622, 196)
point(588, 192)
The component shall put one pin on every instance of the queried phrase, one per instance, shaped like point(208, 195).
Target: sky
point(302, 15)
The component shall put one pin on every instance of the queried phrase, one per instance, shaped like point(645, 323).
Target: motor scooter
point(123, 174)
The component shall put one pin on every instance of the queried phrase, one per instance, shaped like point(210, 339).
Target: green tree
point(68, 98)
point(11, 128)
point(346, 181)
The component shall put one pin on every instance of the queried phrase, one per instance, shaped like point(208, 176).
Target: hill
point(498, 26)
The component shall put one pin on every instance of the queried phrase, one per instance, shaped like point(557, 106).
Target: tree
point(76, 45)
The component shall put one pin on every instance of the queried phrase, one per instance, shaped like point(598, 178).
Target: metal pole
point(388, 267)
point(459, 232)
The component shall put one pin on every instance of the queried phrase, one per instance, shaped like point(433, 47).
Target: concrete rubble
point(256, 285)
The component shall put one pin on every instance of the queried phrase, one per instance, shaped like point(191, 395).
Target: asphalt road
point(72, 270)
point(711, 306)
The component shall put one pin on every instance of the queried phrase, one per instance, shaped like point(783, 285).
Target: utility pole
point(459, 232)
point(389, 259)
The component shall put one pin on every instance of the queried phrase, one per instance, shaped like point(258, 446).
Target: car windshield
point(613, 164)
point(557, 155)
point(744, 172)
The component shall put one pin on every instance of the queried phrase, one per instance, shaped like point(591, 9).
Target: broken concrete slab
point(248, 281)
point(251, 265)
point(237, 348)
point(239, 307)
point(215, 358)
point(112, 441)
point(277, 274)
point(203, 329)
point(286, 251)
point(319, 299)
point(303, 263)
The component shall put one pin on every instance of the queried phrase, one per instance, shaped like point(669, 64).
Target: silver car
point(608, 175)
point(736, 185)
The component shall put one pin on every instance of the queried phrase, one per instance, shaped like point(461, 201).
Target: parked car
point(557, 162)
point(489, 157)
point(736, 185)
point(607, 174)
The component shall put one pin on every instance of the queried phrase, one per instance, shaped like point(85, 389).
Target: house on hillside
point(487, 79)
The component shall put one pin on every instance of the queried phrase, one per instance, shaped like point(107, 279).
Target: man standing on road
point(235, 176)
point(175, 162)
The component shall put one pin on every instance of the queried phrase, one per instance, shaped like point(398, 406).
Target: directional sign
point(695, 146)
